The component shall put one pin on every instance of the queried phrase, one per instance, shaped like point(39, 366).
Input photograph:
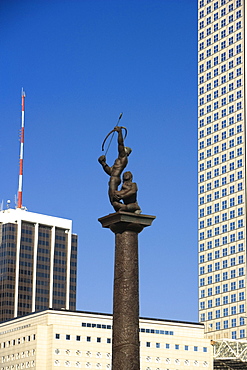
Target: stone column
point(125, 333)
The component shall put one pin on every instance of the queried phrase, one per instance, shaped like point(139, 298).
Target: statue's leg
point(113, 186)
point(133, 207)
point(117, 205)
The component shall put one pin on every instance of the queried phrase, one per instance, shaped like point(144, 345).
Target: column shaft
point(125, 343)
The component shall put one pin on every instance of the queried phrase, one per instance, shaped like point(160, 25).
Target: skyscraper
point(38, 257)
point(222, 168)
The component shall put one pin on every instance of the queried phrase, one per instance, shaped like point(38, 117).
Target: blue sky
point(81, 63)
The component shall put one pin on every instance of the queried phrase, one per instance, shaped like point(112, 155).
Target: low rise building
point(75, 339)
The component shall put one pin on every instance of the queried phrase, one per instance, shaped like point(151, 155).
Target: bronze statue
point(129, 189)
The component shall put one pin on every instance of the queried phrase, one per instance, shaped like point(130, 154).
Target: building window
point(241, 308)
point(241, 296)
point(234, 335)
point(242, 333)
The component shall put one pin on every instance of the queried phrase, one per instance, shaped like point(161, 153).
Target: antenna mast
point(19, 201)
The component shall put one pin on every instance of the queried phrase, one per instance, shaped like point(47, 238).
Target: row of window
point(226, 324)
point(14, 342)
point(178, 362)
point(215, 95)
point(222, 301)
point(223, 100)
point(218, 3)
point(234, 333)
point(224, 192)
point(232, 225)
point(232, 261)
point(232, 165)
point(43, 242)
point(59, 237)
point(233, 310)
point(216, 173)
point(79, 353)
point(18, 355)
point(209, 131)
point(79, 365)
point(232, 153)
point(232, 214)
point(156, 331)
point(177, 346)
point(208, 120)
point(222, 24)
point(219, 36)
point(224, 228)
point(232, 250)
point(78, 338)
point(231, 109)
point(218, 266)
point(222, 80)
point(222, 45)
point(232, 238)
point(222, 289)
point(216, 184)
point(224, 204)
point(142, 330)
point(98, 326)
point(27, 231)
point(7, 237)
point(215, 73)
point(8, 227)
point(225, 276)
point(223, 69)
point(44, 235)
point(209, 244)
point(22, 365)
point(231, 120)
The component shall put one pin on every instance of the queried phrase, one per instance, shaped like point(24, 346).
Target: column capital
point(120, 221)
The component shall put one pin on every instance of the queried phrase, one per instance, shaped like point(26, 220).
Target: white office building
point(64, 339)
point(222, 167)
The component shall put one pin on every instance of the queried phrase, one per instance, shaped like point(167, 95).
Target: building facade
point(222, 168)
point(57, 338)
point(38, 257)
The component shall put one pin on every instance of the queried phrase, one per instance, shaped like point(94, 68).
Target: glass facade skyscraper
point(38, 258)
point(222, 168)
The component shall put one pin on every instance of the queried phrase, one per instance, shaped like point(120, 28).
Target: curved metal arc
point(112, 132)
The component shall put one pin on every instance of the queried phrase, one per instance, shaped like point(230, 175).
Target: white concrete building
point(64, 339)
point(222, 167)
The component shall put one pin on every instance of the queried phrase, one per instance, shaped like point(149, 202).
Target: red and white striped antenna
point(19, 199)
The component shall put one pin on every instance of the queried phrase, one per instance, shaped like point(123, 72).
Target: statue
point(128, 192)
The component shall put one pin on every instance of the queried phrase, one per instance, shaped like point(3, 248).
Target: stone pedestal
point(125, 335)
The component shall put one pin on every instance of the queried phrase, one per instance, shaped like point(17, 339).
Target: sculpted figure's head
point(127, 176)
point(127, 150)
